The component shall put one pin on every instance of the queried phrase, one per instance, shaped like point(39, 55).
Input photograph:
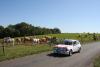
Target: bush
point(97, 62)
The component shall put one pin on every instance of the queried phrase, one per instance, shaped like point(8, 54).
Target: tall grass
point(97, 62)
point(22, 50)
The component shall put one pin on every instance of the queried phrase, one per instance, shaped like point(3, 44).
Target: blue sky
point(68, 15)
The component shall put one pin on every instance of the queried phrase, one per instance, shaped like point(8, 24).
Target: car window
point(74, 42)
point(67, 43)
point(77, 42)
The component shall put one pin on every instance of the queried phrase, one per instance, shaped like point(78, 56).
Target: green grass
point(21, 50)
point(63, 35)
point(82, 39)
point(97, 62)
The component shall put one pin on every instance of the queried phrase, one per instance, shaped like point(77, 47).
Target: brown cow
point(28, 39)
point(18, 40)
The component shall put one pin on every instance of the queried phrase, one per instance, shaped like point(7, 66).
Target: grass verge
point(97, 62)
point(22, 50)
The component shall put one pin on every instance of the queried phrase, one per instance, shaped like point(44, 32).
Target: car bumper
point(61, 52)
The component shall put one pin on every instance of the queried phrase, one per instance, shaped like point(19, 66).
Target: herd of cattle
point(43, 39)
point(33, 40)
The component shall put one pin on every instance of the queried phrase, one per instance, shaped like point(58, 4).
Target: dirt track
point(47, 59)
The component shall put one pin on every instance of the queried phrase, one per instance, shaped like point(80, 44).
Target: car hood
point(63, 46)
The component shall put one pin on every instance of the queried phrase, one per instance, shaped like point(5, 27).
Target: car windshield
point(67, 43)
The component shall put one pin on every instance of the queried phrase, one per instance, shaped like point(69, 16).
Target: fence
point(2, 49)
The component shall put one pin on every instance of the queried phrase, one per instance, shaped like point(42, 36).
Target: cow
point(18, 40)
point(8, 40)
point(36, 40)
point(27, 39)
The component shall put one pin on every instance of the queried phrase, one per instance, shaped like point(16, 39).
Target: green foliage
point(97, 62)
point(25, 29)
point(1, 31)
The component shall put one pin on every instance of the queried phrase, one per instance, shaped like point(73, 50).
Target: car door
point(78, 45)
point(75, 46)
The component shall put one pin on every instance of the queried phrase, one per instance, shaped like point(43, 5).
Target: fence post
point(3, 47)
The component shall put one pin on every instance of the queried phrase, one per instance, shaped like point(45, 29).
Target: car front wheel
point(79, 50)
point(70, 53)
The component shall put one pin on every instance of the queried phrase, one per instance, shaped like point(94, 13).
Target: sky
point(72, 16)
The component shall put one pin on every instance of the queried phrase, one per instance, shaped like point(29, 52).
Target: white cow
point(9, 40)
point(36, 40)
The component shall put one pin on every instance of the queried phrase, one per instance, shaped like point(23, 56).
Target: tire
point(79, 50)
point(70, 53)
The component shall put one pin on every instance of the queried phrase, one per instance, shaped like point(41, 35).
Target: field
point(97, 62)
point(83, 37)
point(26, 49)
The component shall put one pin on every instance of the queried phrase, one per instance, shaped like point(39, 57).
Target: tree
point(56, 30)
point(1, 31)
point(25, 29)
point(94, 36)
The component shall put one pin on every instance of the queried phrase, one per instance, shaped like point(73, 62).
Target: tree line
point(25, 29)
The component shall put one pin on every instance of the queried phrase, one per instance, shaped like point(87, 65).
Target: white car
point(68, 47)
